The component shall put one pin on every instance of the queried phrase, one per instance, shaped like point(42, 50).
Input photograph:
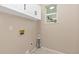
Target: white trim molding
point(51, 50)
point(45, 48)
point(29, 52)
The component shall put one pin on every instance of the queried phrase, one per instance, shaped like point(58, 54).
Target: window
point(51, 13)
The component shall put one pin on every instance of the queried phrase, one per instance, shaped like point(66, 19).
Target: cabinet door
point(27, 9)
point(33, 10)
point(36, 9)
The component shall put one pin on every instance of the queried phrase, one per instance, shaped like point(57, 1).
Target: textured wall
point(63, 35)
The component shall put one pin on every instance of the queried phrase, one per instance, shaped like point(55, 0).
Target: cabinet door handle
point(24, 6)
point(35, 12)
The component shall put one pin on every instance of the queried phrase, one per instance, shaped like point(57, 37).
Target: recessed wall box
point(21, 32)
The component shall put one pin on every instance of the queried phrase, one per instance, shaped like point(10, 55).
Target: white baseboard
point(29, 52)
point(33, 50)
point(58, 52)
point(51, 50)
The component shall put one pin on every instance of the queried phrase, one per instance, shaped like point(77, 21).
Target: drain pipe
point(38, 41)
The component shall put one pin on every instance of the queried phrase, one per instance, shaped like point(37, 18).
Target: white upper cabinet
point(30, 11)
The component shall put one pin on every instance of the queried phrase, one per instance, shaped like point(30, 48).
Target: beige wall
point(10, 40)
point(63, 35)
